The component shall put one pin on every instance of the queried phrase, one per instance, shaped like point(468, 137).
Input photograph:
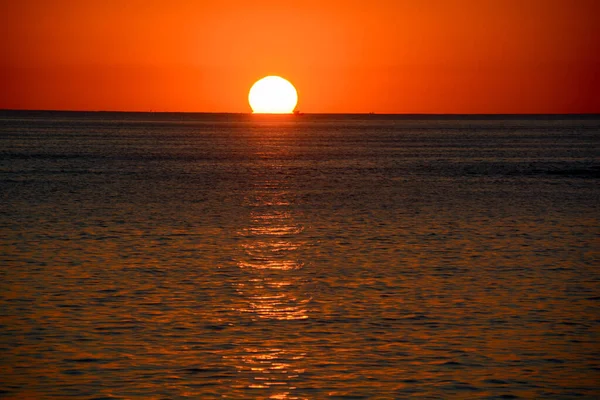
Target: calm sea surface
point(174, 256)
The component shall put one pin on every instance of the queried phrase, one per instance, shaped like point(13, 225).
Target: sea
point(240, 256)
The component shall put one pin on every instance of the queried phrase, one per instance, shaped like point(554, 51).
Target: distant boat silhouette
point(297, 112)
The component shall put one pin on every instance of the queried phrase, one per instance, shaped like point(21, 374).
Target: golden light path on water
point(274, 292)
point(268, 253)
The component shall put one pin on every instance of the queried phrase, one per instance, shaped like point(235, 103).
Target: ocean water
point(172, 256)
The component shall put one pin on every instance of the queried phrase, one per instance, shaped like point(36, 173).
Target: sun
point(272, 95)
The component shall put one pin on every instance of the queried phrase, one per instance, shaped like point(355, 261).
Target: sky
point(343, 56)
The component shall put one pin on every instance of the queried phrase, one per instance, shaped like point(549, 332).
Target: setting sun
point(272, 95)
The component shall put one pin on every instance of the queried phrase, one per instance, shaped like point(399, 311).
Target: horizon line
point(302, 113)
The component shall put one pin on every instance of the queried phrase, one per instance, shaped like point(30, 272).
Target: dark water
point(230, 256)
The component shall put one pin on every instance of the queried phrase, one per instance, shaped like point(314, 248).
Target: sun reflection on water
point(273, 293)
point(269, 247)
point(267, 367)
point(270, 299)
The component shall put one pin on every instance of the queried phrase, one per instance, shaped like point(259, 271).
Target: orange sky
point(385, 56)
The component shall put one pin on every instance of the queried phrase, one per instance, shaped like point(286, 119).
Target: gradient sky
point(384, 56)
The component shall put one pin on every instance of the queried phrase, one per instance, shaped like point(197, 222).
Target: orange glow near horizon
point(384, 56)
